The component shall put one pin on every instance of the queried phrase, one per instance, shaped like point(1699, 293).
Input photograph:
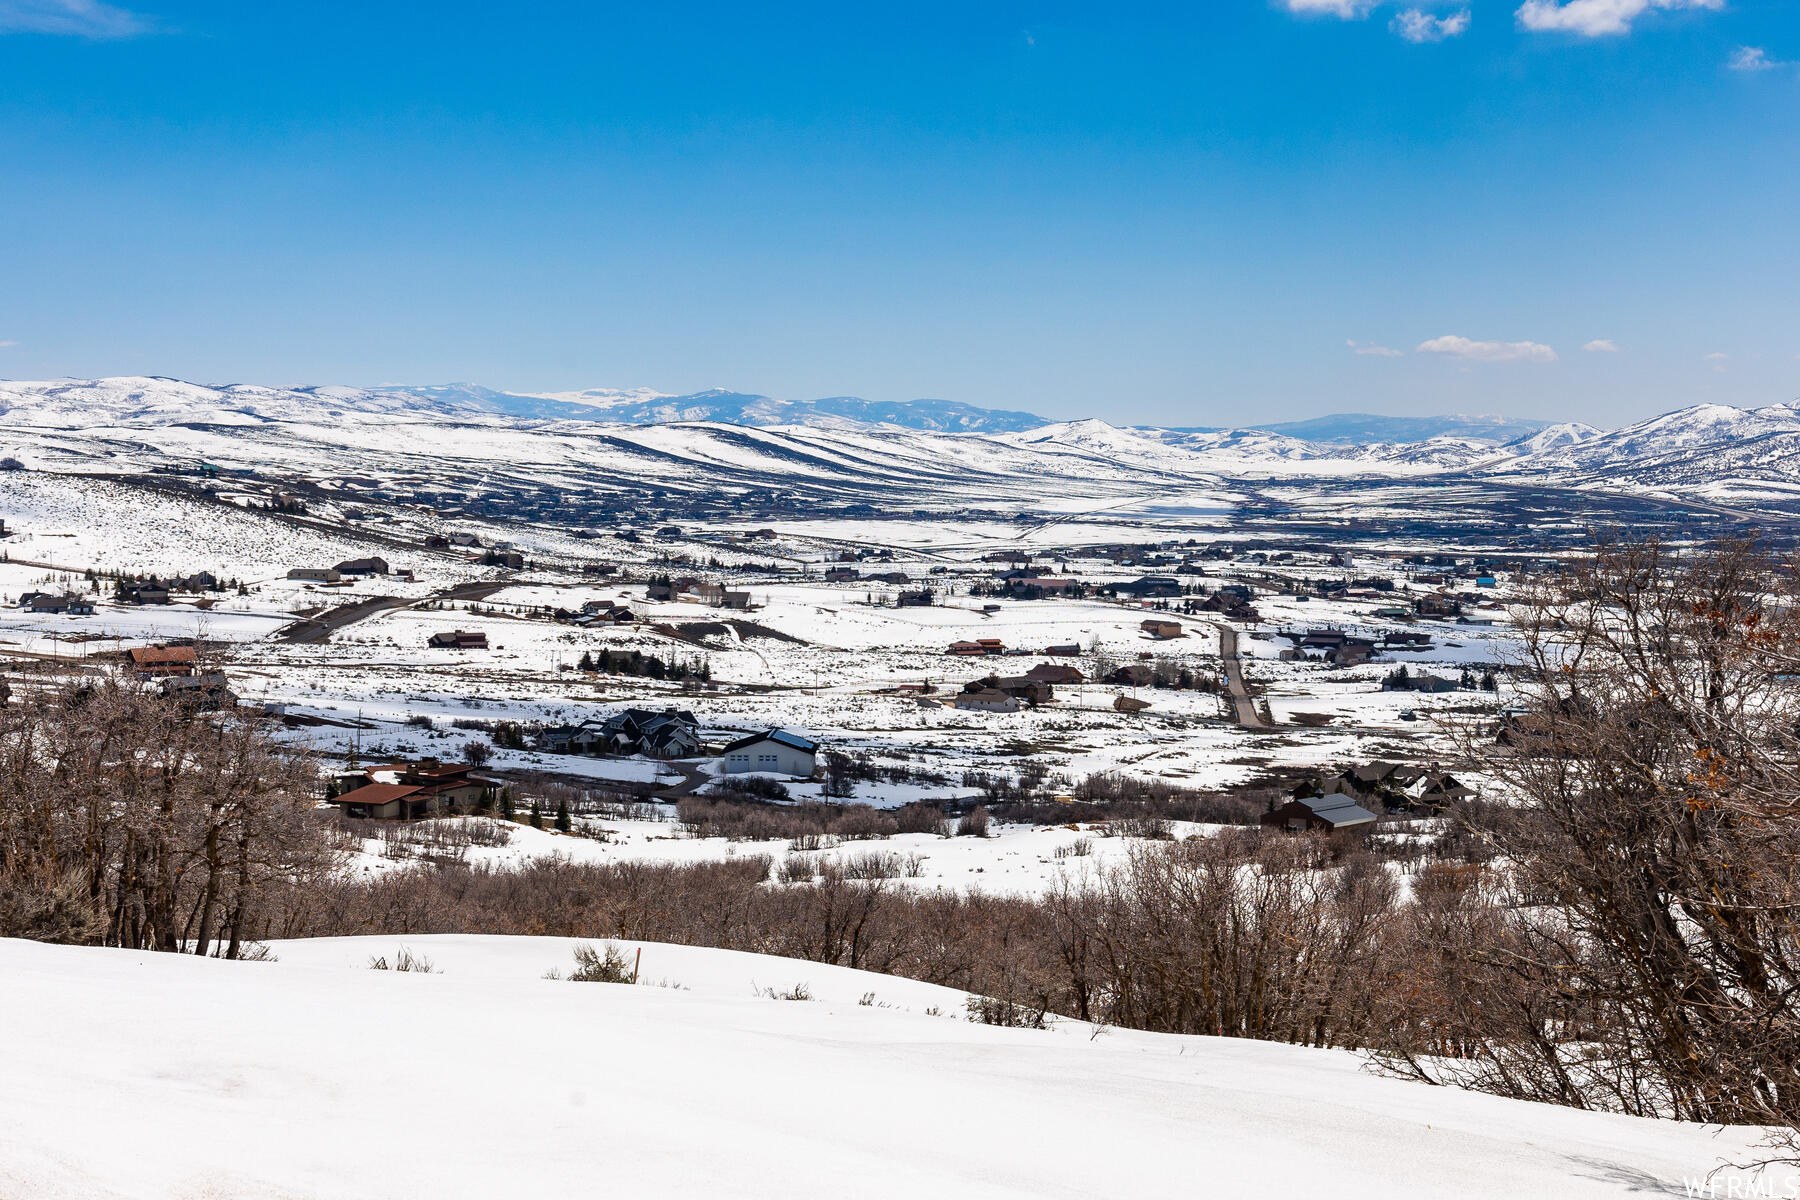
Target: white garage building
point(777, 752)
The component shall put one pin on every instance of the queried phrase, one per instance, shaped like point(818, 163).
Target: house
point(156, 661)
point(1063, 651)
point(1351, 652)
point(409, 792)
point(463, 539)
point(1023, 687)
point(1147, 588)
point(671, 733)
point(149, 591)
point(1127, 704)
point(1132, 675)
point(208, 693)
point(978, 646)
point(660, 591)
point(777, 752)
point(924, 598)
point(1162, 631)
point(986, 700)
point(1329, 814)
point(842, 575)
point(1421, 682)
point(433, 541)
point(1056, 673)
point(315, 574)
point(458, 639)
point(362, 566)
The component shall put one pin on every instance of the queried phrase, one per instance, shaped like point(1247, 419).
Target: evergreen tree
point(563, 824)
point(506, 805)
point(537, 815)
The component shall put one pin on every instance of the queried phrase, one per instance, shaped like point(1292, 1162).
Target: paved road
point(1241, 704)
point(313, 630)
point(693, 778)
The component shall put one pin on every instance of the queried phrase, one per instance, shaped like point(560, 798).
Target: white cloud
point(1715, 356)
point(1597, 18)
point(1416, 25)
point(1371, 348)
point(76, 18)
point(1462, 347)
point(6, 343)
point(1754, 58)
point(1349, 10)
point(1602, 346)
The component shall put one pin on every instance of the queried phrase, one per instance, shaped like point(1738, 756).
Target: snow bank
point(141, 1075)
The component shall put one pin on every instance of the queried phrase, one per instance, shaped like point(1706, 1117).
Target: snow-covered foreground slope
point(142, 1075)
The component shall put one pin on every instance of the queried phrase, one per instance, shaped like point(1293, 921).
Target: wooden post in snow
point(638, 962)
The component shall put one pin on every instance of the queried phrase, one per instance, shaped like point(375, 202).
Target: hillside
point(309, 1077)
point(444, 446)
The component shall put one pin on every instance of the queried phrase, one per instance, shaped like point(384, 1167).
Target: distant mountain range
point(1709, 453)
point(645, 407)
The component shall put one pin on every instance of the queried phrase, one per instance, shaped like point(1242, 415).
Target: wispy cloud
point(1602, 346)
point(1597, 18)
point(71, 18)
point(1462, 347)
point(4, 343)
point(1413, 23)
point(1754, 58)
point(1349, 10)
point(1418, 26)
point(1372, 349)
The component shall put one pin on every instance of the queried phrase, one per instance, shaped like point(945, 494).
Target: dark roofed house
point(458, 639)
point(1162, 631)
point(668, 733)
point(1330, 814)
point(1055, 673)
point(1132, 675)
point(362, 566)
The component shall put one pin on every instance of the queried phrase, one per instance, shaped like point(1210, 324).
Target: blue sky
point(1223, 211)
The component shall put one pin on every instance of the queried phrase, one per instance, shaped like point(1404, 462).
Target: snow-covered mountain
point(643, 406)
point(858, 450)
point(1365, 428)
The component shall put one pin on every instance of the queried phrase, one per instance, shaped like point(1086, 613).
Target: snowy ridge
point(462, 434)
point(261, 1079)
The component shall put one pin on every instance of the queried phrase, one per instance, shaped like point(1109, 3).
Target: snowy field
point(1013, 860)
point(314, 1078)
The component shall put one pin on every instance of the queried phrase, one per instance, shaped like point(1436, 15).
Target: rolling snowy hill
point(314, 1077)
point(850, 452)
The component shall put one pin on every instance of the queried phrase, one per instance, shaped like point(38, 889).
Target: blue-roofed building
point(777, 752)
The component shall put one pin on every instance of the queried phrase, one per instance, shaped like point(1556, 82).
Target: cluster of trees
point(129, 821)
point(647, 666)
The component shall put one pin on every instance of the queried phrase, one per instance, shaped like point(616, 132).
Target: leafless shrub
point(606, 965)
point(875, 865)
point(974, 823)
point(404, 960)
point(987, 1010)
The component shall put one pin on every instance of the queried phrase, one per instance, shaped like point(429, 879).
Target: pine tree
point(537, 815)
point(506, 805)
point(563, 824)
